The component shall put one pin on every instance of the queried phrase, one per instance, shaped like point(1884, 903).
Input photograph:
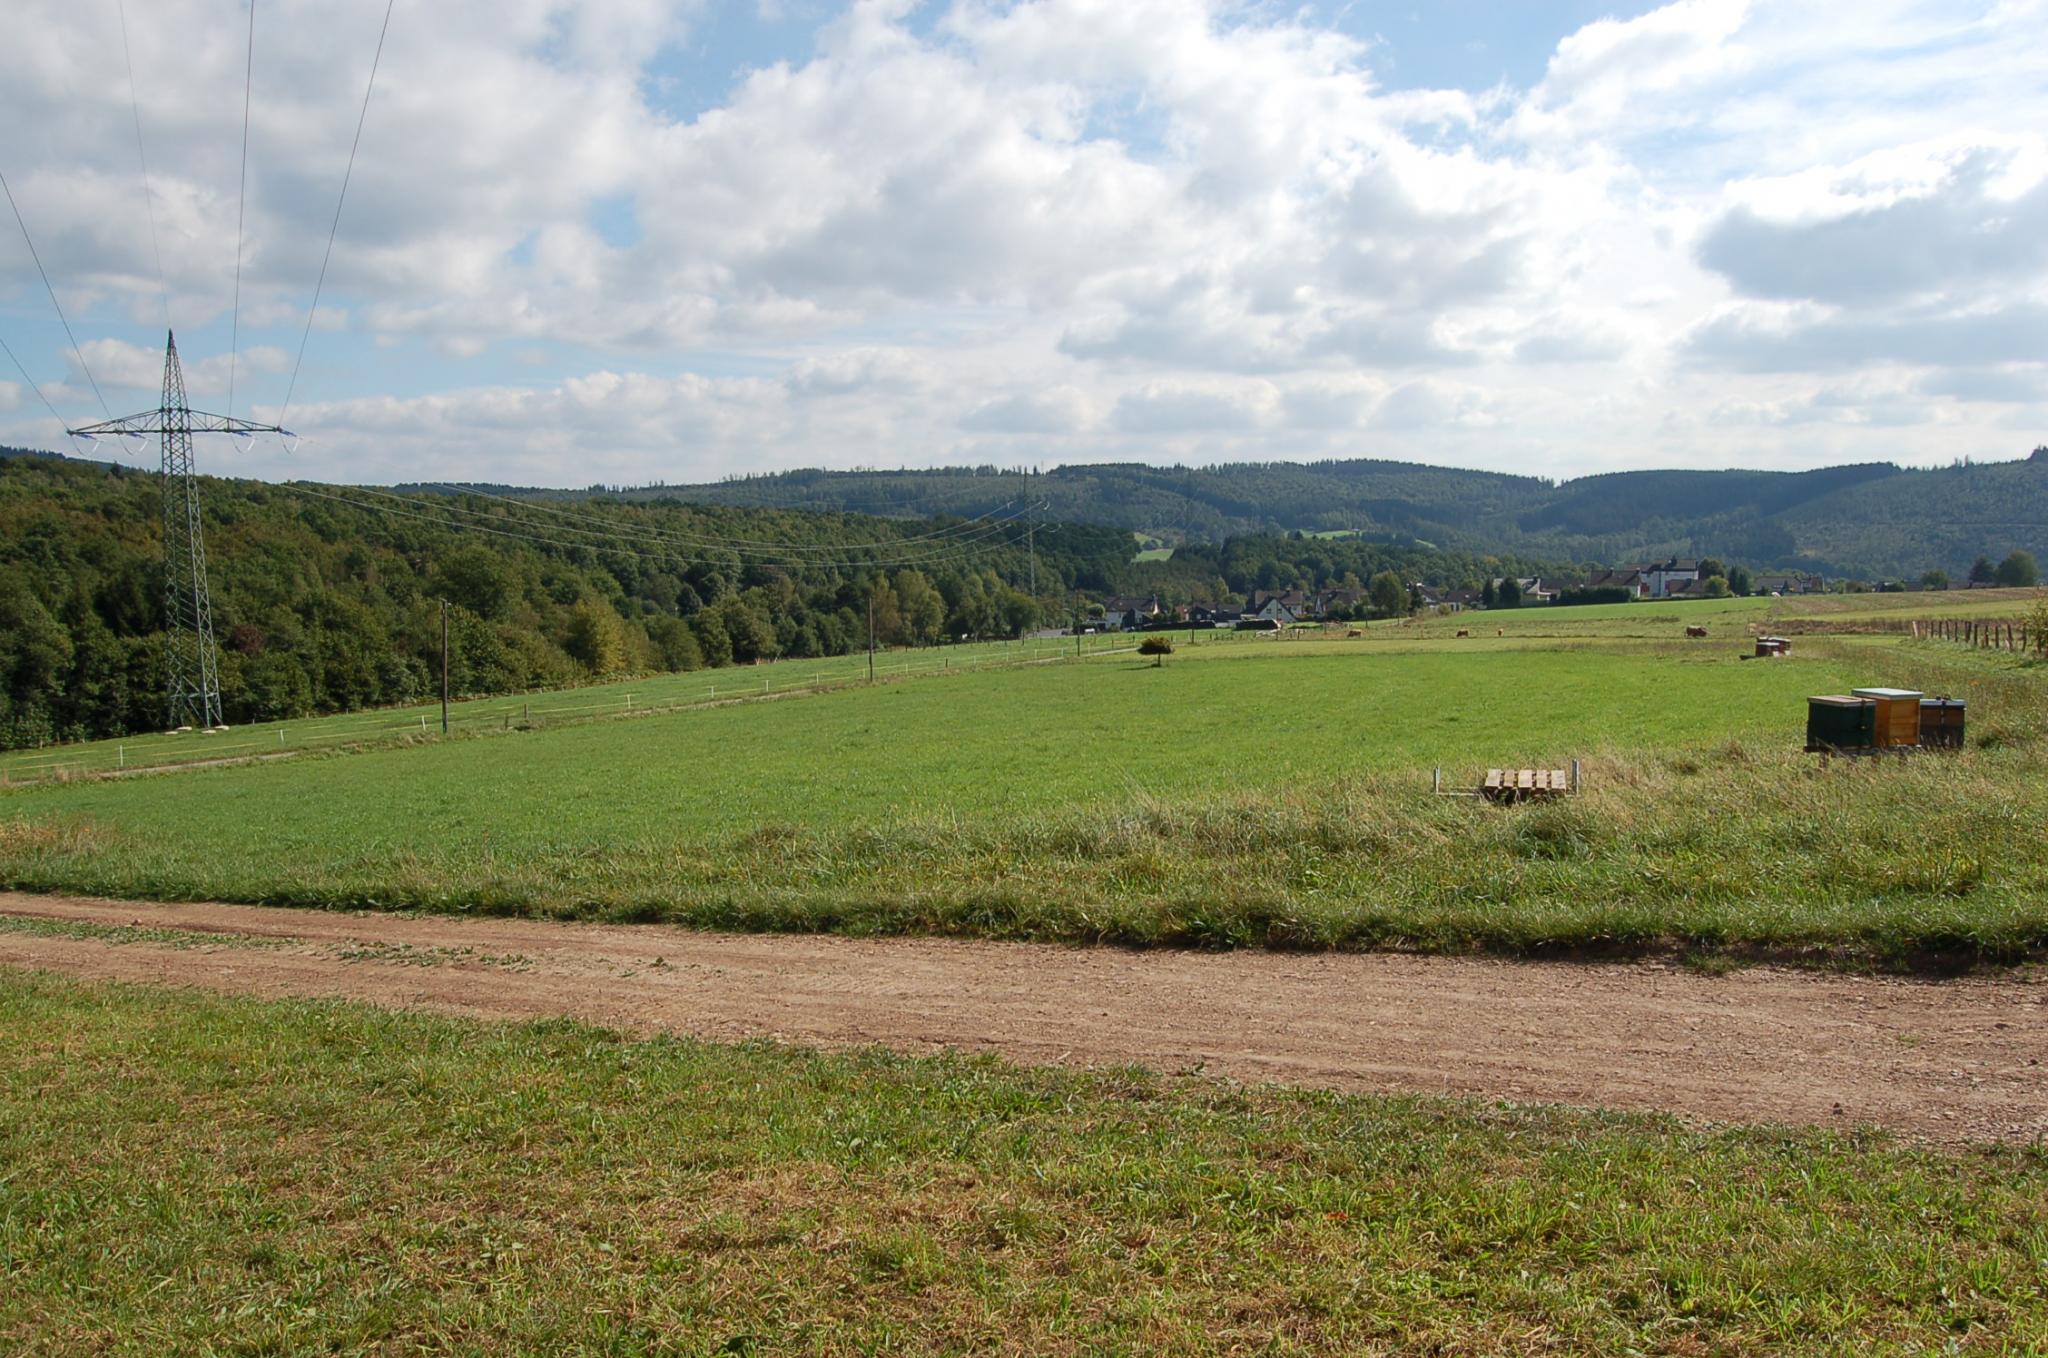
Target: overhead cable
point(163, 291)
point(241, 206)
point(78, 352)
point(36, 389)
point(361, 116)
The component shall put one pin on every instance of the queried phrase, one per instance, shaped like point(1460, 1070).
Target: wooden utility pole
point(871, 636)
point(444, 667)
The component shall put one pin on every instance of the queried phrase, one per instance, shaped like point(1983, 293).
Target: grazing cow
point(1500, 631)
point(1464, 631)
point(1695, 631)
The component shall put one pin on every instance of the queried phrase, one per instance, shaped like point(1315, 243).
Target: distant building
point(1126, 613)
point(1630, 578)
point(1330, 601)
point(1788, 584)
point(1294, 601)
point(1678, 577)
point(1533, 589)
point(1663, 575)
point(1277, 609)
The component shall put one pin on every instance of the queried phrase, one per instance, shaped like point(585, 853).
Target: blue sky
point(644, 240)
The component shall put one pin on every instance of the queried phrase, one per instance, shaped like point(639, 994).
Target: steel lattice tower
point(191, 661)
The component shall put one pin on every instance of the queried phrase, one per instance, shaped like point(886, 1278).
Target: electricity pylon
point(191, 663)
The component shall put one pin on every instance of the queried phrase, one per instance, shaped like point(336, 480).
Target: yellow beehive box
point(1898, 716)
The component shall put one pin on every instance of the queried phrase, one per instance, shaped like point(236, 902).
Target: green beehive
point(1840, 721)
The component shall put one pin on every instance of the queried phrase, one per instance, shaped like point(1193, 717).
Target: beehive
point(1839, 721)
point(1941, 722)
point(1897, 721)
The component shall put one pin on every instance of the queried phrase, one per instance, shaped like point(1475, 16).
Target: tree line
point(325, 604)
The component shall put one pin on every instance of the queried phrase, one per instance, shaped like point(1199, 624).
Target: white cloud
point(1910, 222)
point(1428, 404)
point(131, 367)
point(1060, 410)
point(1615, 72)
point(1195, 407)
point(1159, 229)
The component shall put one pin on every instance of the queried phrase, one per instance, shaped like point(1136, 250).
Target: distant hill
point(1869, 520)
point(1872, 519)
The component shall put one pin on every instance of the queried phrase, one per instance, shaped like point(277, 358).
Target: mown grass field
point(390, 726)
point(1269, 792)
point(185, 1174)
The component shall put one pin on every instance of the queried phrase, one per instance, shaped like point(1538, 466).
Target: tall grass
point(1742, 844)
point(187, 1174)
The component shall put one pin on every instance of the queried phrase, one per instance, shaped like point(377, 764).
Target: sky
point(678, 240)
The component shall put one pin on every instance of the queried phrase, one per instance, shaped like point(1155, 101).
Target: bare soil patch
point(1947, 1060)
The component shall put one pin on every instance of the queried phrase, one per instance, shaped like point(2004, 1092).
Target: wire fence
point(654, 695)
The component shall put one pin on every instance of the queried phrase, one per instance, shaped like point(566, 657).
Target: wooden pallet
point(1520, 785)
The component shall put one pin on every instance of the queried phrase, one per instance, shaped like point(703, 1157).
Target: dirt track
point(1946, 1060)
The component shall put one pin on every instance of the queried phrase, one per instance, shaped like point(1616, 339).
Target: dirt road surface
point(1962, 1060)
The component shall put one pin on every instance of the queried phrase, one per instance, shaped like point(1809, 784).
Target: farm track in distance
point(1955, 1061)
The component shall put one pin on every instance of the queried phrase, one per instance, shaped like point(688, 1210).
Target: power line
point(148, 199)
point(241, 206)
point(332, 230)
point(34, 388)
point(53, 294)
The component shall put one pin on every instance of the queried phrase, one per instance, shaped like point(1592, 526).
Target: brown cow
point(1695, 631)
point(1464, 631)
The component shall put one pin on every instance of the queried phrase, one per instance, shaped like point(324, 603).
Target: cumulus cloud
point(118, 364)
point(1428, 404)
point(1186, 407)
point(1890, 227)
point(1744, 340)
point(1061, 410)
point(1161, 229)
point(1614, 70)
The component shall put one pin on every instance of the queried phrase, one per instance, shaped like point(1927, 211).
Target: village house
point(1278, 608)
point(1213, 615)
point(1122, 613)
point(1294, 600)
point(1788, 584)
point(1534, 590)
point(1334, 601)
point(1663, 575)
point(1678, 577)
point(1629, 578)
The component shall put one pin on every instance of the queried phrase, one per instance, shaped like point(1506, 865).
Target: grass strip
point(194, 1174)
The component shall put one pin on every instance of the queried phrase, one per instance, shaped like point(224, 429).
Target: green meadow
point(1268, 791)
point(187, 1174)
point(389, 726)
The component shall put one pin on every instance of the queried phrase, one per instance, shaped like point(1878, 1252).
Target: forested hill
point(328, 598)
point(1871, 520)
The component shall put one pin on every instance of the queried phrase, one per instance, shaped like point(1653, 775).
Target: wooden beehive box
point(1897, 723)
point(1941, 722)
point(1838, 721)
